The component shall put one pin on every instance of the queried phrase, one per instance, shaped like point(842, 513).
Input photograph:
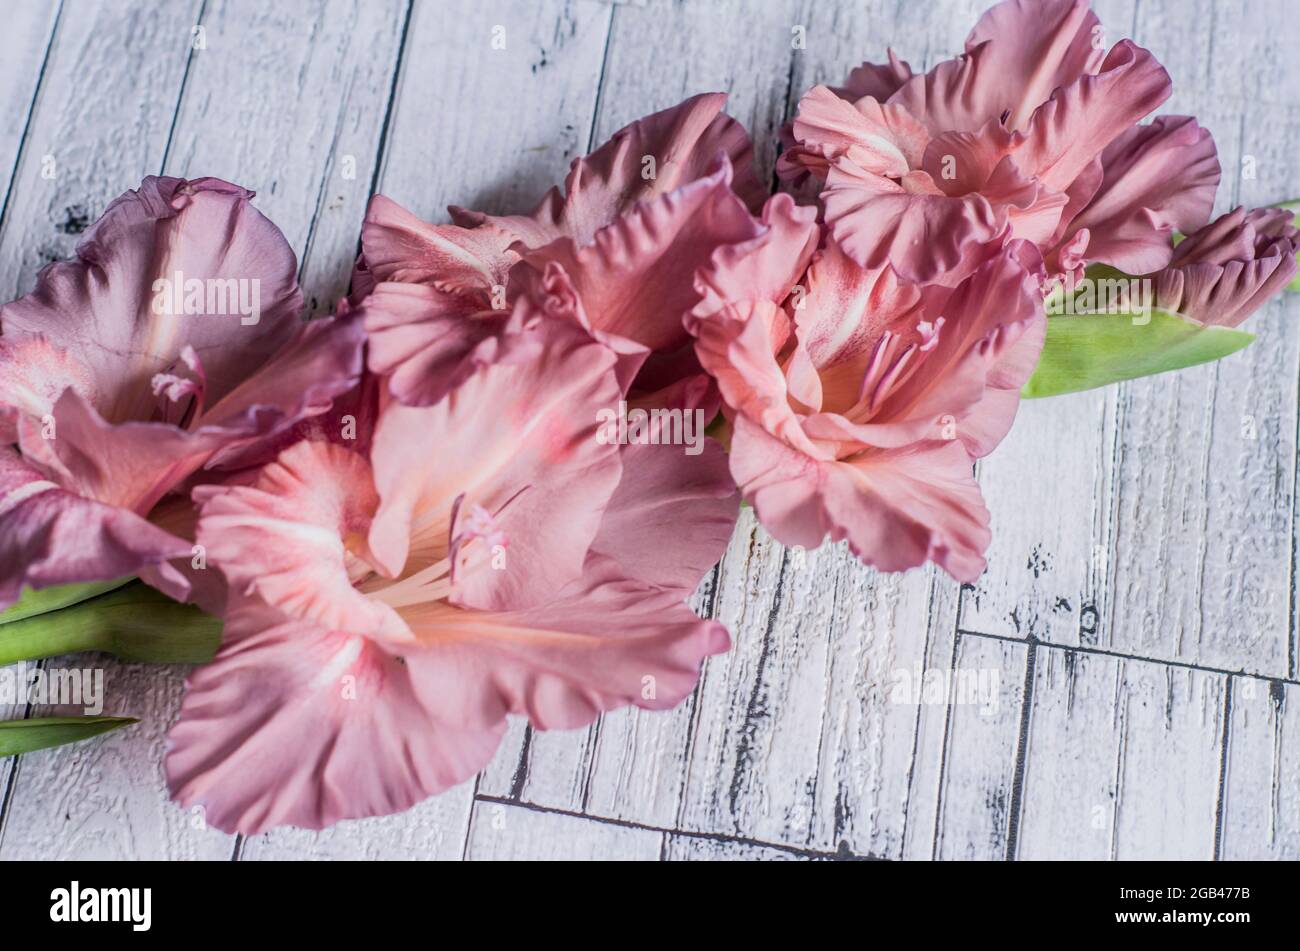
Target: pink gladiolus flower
point(394, 599)
point(858, 402)
point(1030, 134)
point(616, 249)
point(170, 344)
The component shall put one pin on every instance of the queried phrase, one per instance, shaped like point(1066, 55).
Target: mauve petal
point(293, 724)
point(897, 508)
point(321, 362)
point(518, 438)
point(1034, 48)
point(602, 643)
point(1069, 131)
point(878, 80)
point(33, 375)
point(1157, 179)
point(882, 140)
point(635, 279)
point(958, 95)
point(764, 268)
point(925, 238)
point(397, 246)
point(671, 517)
point(132, 464)
point(294, 537)
point(51, 537)
point(684, 142)
point(100, 306)
point(426, 342)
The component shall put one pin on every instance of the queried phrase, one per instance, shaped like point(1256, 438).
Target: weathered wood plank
point(973, 818)
point(334, 60)
point(690, 848)
point(433, 830)
point(503, 832)
point(1122, 759)
point(1261, 799)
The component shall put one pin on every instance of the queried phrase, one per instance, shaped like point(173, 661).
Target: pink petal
point(518, 438)
point(1157, 178)
point(1068, 131)
point(880, 81)
point(294, 724)
point(882, 140)
point(1034, 48)
point(684, 143)
point(925, 238)
point(100, 307)
point(425, 341)
point(896, 508)
point(602, 643)
point(635, 278)
point(33, 374)
point(294, 535)
point(469, 263)
point(663, 490)
point(51, 537)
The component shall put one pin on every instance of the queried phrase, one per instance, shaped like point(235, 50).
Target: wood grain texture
point(1145, 534)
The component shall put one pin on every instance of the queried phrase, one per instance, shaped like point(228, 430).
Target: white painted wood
point(1261, 805)
point(973, 818)
point(1122, 759)
point(503, 832)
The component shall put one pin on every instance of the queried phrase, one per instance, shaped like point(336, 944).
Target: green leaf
point(1293, 207)
point(1085, 351)
point(135, 623)
point(33, 603)
point(24, 736)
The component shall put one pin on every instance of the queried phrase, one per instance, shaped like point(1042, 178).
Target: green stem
point(135, 623)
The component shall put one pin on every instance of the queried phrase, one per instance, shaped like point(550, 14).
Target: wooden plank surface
point(1131, 649)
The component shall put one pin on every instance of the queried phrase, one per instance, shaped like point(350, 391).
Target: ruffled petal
point(635, 278)
point(296, 538)
point(1068, 131)
point(466, 262)
point(1034, 48)
point(171, 266)
point(897, 508)
point(649, 158)
point(51, 537)
point(426, 342)
point(518, 440)
point(879, 139)
point(295, 724)
point(1157, 179)
point(925, 238)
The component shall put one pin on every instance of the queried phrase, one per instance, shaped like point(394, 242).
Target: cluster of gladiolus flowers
point(405, 515)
